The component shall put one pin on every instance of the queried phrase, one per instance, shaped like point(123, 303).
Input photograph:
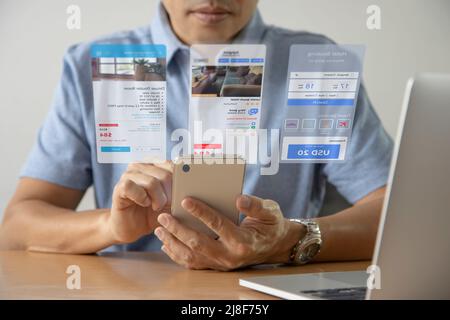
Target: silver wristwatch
point(309, 246)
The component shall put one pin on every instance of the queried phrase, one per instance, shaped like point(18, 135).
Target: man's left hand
point(264, 236)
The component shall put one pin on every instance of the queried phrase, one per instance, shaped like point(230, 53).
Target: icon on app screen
point(309, 123)
point(253, 111)
point(291, 124)
point(343, 124)
point(326, 124)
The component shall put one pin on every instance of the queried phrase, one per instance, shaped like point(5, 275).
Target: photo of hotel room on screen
point(227, 81)
point(129, 69)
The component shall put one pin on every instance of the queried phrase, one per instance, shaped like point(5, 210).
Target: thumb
point(258, 208)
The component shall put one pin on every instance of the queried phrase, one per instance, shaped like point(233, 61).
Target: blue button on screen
point(313, 151)
point(321, 102)
point(115, 149)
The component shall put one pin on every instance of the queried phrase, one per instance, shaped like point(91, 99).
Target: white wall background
point(33, 36)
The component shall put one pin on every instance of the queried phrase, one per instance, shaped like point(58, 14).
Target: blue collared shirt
point(65, 150)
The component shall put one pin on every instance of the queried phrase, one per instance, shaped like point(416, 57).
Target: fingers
point(161, 171)
point(172, 256)
point(218, 223)
point(257, 208)
point(156, 181)
point(166, 165)
point(174, 248)
point(185, 256)
point(151, 185)
point(127, 191)
point(196, 241)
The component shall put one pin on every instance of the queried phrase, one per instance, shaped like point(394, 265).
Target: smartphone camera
point(186, 168)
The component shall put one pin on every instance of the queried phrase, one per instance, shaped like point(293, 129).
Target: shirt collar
point(162, 33)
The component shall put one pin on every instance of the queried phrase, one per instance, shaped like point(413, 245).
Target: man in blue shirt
point(133, 201)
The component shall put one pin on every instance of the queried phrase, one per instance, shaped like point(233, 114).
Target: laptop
point(412, 252)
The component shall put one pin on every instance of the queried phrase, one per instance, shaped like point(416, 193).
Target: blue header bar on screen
point(128, 51)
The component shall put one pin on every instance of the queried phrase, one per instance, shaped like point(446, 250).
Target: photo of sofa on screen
point(227, 81)
point(129, 69)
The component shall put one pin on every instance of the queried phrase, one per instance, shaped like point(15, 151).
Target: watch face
point(309, 252)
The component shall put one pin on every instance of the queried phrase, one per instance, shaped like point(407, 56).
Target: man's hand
point(264, 236)
point(143, 191)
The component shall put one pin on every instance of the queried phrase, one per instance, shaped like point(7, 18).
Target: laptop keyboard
point(357, 293)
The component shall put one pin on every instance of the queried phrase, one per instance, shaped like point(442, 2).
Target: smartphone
point(216, 181)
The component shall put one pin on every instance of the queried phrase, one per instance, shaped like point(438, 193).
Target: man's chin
point(210, 41)
point(209, 36)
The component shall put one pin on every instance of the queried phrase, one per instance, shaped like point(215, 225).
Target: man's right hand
point(143, 191)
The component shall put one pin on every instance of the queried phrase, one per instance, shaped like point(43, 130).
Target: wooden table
point(132, 275)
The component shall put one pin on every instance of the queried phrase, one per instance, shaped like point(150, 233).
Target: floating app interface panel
point(323, 85)
point(226, 91)
point(129, 87)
